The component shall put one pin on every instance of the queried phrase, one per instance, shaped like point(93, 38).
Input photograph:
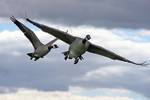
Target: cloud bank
point(17, 71)
point(24, 94)
point(100, 13)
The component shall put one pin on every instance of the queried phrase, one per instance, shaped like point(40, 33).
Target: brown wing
point(64, 36)
point(28, 33)
point(102, 51)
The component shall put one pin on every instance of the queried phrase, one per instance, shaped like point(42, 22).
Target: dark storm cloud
point(105, 13)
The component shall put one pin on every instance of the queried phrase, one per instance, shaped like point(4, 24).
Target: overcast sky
point(105, 13)
point(121, 26)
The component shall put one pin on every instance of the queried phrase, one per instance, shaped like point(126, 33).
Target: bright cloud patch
point(25, 94)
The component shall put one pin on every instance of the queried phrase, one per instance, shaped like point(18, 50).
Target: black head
point(88, 37)
point(55, 46)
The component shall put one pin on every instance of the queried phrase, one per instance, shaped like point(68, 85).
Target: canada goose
point(40, 50)
point(78, 46)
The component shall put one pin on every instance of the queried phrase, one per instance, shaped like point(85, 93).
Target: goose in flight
point(78, 46)
point(40, 50)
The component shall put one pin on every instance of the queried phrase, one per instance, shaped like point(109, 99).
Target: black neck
point(50, 47)
point(84, 41)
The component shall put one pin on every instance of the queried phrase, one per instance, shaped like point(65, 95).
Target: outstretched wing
point(64, 36)
point(102, 51)
point(27, 32)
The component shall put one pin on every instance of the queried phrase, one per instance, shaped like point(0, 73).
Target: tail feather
point(30, 54)
point(65, 53)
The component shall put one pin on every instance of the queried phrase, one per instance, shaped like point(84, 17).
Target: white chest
point(42, 51)
point(77, 48)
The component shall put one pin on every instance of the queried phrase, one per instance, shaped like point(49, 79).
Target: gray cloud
point(54, 74)
point(101, 13)
point(49, 74)
point(112, 80)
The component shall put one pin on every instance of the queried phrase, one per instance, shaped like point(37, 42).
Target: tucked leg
point(76, 60)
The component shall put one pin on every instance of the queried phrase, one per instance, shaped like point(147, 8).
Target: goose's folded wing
point(106, 53)
point(28, 33)
point(64, 36)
